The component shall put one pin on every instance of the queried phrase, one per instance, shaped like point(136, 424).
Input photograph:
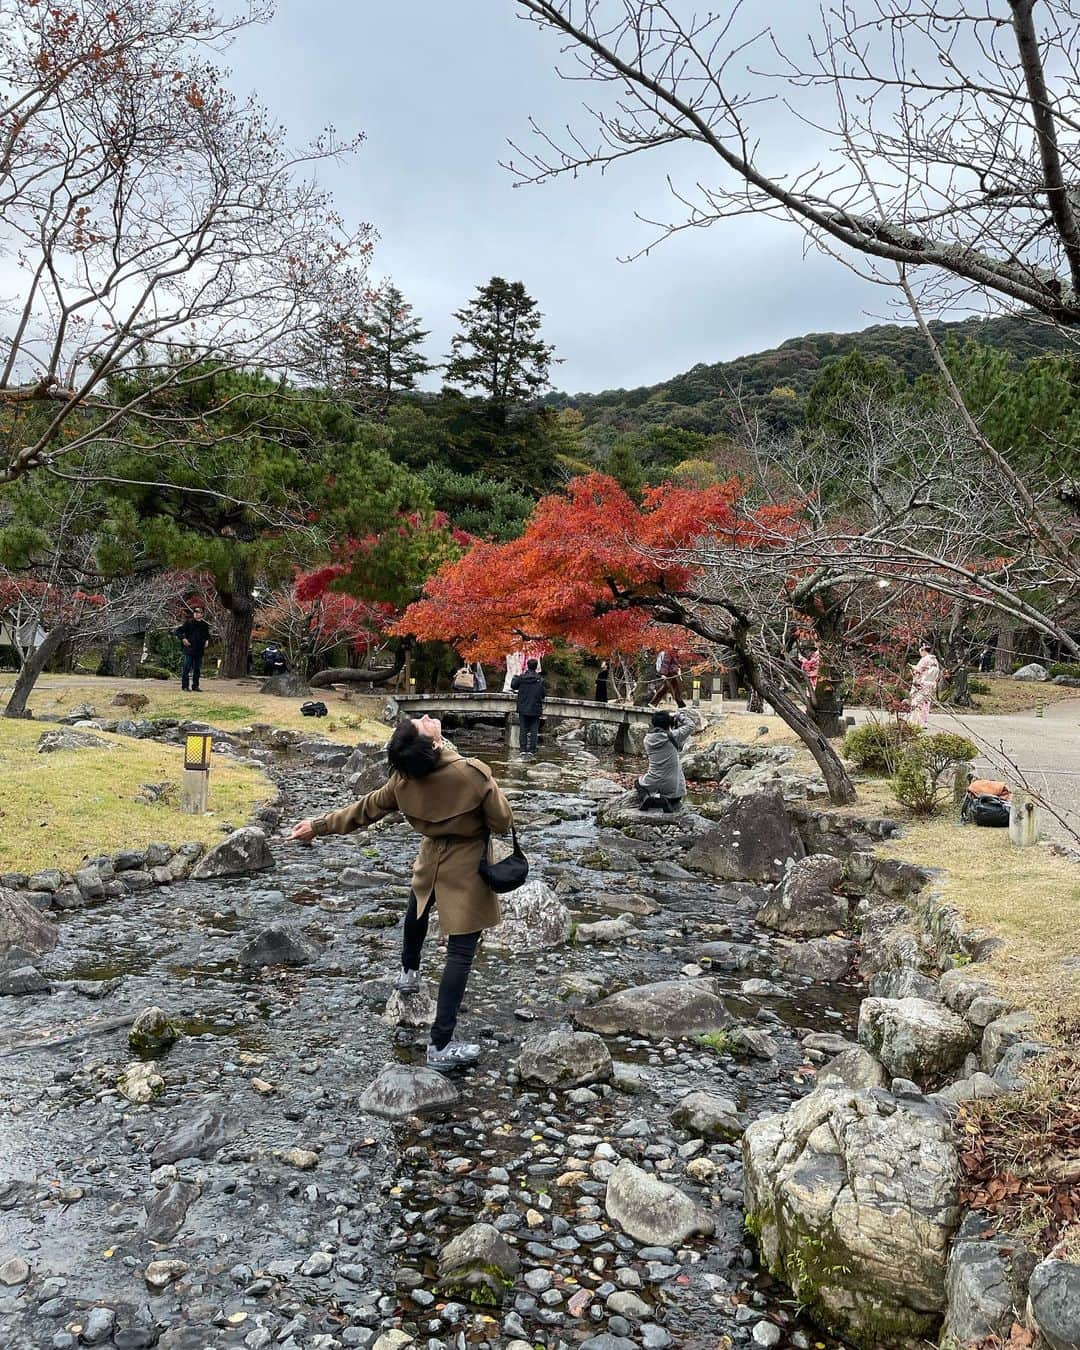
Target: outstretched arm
point(366, 811)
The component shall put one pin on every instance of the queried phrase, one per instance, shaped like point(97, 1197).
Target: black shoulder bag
point(510, 873)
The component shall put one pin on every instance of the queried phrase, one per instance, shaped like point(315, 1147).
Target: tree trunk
point(239, 604)
point(961, 693)
point(1006, 646)
point(837, 780)
point(826, 709)
point(31, 669)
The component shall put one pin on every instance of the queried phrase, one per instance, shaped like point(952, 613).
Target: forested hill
point(774, 383)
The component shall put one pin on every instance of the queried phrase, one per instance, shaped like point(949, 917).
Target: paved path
point(1043, 752)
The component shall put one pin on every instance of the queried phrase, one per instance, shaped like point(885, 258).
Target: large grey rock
point(410, 1010)
point(825, 959)
point(240, 853)
point(854, 1198)
point(912, 1037)
point(902, 982)
point(365, 769)
point(534, 919)
point(200, 1136)
point(280, 945)
point(478, 1265)
point(167, 1210)
point(17, 980)
point(287, 684)
point(656, 1214)
point(1009, 1073)
point(960, 987)
point(565, 1059)
point(605, 930)
point(667, 1008)
point(753, 840)
point(1054, 1303)
point(709, 1115)
point(23, 927)
point(69, 739)
point(985, 1284)
point(1002, 1034)
point(805, 905)
point(1033, 671)
point(402, 1090)
point(853, 1068)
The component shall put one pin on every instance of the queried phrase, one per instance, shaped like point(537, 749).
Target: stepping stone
point(401, 1091)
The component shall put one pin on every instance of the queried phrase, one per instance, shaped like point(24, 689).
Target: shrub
point(146, 671)
point(976, 686)
point(876, 747)
point(922, 779)
point(1068, 668)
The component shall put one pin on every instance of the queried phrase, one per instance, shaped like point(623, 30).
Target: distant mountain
point(774, 383)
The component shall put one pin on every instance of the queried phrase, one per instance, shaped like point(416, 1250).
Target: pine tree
point(624, 466)
point(498, 352)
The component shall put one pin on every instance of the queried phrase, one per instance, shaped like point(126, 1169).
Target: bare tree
point(155, 221)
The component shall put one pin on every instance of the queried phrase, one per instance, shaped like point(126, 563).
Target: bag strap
point(513, 835)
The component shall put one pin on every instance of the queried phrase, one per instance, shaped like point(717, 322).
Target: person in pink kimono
point(925, 675)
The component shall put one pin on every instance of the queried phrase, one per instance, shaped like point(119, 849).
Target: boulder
point(141, 1083)
point(601, 787)
point(625, 812)
point(854, 1197)
point(280, 945)
point(902, 982)
point(1054, 1303)
point(853, 1068)
point(533, 920)
point(605, 930)
point(1033, 671)
point(668, 1008)
point(151, 1033)
point(751, 1041)
point(478, 1266)
point(403, 1090)
point(710, 1116)
point(960, 987)
point(166, 1211)
point(805, 905)
point(565, 1059)
point(1002, 1034)
point(984, 1283)
point(68, 739)
point(365, 769)
point(242, 852)
point(651, 1211)
point(287, 684)
point(753, 840)
point(200, 1136)
point(410, 1010)
point(23, 927)
point(912, 1037)
point(22, 979)
point(825, 959)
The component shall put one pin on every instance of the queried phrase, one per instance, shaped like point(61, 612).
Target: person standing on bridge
point(529, 687)
point(455, 804)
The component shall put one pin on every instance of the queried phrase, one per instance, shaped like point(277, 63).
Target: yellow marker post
point(697, 693)
point(195, 788)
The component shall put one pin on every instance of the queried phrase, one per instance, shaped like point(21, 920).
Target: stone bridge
point(493, 703)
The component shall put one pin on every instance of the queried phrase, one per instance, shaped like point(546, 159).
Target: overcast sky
point(439, 86)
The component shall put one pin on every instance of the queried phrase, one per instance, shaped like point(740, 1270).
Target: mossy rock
point(378, 919)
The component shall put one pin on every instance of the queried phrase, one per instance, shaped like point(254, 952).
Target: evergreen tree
point(498, 352)
point(624, 466)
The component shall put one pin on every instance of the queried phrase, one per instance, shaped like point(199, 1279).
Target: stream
point(275, 1253)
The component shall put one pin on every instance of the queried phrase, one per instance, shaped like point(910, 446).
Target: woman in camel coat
point(454, 803)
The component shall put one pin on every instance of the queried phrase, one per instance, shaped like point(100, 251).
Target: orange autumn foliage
point(586, 569)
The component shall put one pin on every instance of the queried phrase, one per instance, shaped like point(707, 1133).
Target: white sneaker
point(408, 982)
point(453, 1055)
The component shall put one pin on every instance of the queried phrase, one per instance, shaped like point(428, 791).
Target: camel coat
point(452, 808)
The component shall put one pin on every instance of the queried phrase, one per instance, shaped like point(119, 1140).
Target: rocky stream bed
point(256, 1199)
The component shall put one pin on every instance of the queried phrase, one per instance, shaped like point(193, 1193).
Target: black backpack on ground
point(314, 708)
point(979, 808)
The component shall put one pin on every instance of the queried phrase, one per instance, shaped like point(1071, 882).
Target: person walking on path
point(455, 804)
point(194, 634)
point(924, 682)
point(669, 669)
point(529, 687)
point(663, 783)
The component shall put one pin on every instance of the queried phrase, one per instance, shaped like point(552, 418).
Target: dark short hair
point(411, 754)
point(532, 663)
point(663, 721)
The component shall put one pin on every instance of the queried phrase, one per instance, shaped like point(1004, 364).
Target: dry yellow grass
point(57, 809)
point(223, 703)
point(1014, 696)
point(1029, 897)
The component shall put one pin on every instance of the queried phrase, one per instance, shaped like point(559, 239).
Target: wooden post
point(195, 785)
point(1023, 820)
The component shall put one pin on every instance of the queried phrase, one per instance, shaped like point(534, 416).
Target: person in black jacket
point(194, 634)
point(529, 687)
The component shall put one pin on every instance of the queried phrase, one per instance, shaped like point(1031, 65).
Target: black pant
point(670, 684)
point(461, 948)
point(192, 668)
point(530, 728)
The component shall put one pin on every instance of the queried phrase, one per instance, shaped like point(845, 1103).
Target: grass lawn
point(223, 703)
point(57, 809)
point(1011, 696)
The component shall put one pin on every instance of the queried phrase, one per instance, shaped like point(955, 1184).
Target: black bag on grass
point(314, 708)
